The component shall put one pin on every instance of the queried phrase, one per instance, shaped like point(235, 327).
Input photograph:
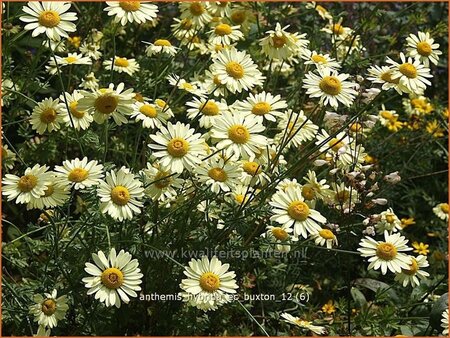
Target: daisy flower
point(444, 322)
point(262, 104)
point(183, 29)
point(385, 116)
point(81, 174)
point(91, 50)
point(388, 221)
point(422, 47)
point(182, 84)
point(421, 248)
point(47, 115)
point(290, 209)
point(196, 12)
point(330, 87)
point(441, 211)
point(219, 8)
point(411, 73)
point(343, 197)
point(32, 185)
point(236, 70)
point(281, 236)
point(387, 255)
point(337, 31)
point(241, 194)
point(49, 309)
point(304, 324)
point(383, 75)
point(151, 115)
point(278, 44)
point(131, 11)
point(209, 284)
point(56, 194)
point(49, 17)
point(238, 135)
point(320, 60)
point(208, 110)
point(114, 278)
point(8, 157)
point(413, 274)
point(219, 175)
point(313, 188)
point(224, 34)
point(325, 237)
point(122, 64)
point(177, 147)
point(295, 128)
point(160, 46)
point(71, 59)
point(253, 173)
point(106, 102)
point(120, 194)
point(212, 85)
point(336, 145)
point(78, 118)
point(89, 82)
point(159, 184)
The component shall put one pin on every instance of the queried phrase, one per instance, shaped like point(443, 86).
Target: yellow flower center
point(27, 183)
point(162, 179)
point(341, 196)
point(337, 29)
point(424, 48)
point(444, 207)
point(390, 218)
point(386, 115)
point(48, 115)
point(355, 127)
point(162, 43)
point(187, 86)
point(387, 76)
point(238, 16)
point(217, 81)
point(218, 174)
point(121, 62)
point(238, 134)
point(186, 24)
point(223, 29)
point(408, 70)
point(252, 168)
point(106, 104)
point(161, 103)
point(279, 41)
point(112, 278)
point(197, 9)
point(335, 144)
point(413, 268)
point(78, 175)
point(49, 19)
point(178, 147)
point(120, 195)
point(234, 69)
point(50, 190)
point(261, 108)
point(209, 282)
point(130, 6)
point(71, 59)
point(298, 210)
point(210, 108)
point(148, 110)
point(279, 233)
point(308, 193)
point(327, 234)
point(318, 59)
point(48, 306)
point(74, 111)
point(239, 198)
point(330, 85)
point(386, 251)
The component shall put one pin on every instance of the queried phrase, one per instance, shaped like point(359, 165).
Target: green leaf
point(377, 286)
point(438, 308)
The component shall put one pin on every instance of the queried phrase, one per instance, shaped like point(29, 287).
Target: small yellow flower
point(74, 41)
point(407, 222)
point(421, 248)
point(329, 308)
point(394, 125)
point(434, 129)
